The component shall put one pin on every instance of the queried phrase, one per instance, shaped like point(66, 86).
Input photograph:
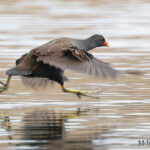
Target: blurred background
point(50, 119)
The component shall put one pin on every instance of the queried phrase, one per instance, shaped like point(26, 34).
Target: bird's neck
point(90, 44)
point(86, 45)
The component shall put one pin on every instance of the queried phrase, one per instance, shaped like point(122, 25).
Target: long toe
point(2, 83)
point(93, 94)
point(3, 89)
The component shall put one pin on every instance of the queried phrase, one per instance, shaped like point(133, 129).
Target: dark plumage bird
point(48, 62)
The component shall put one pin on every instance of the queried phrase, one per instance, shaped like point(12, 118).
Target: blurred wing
point(78, 60)
point(36, 82)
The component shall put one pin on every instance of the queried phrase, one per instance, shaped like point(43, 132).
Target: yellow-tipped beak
point(108, 45)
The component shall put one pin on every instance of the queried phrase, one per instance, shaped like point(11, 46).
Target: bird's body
point(48, 62)
point(35, 73)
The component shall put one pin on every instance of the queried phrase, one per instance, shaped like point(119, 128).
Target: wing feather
point(78, 60)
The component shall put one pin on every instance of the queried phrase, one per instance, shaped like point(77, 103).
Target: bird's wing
point(78, 60)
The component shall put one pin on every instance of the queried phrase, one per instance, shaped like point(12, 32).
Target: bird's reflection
point(41, 125)
point(6, 125)
point(46, 130)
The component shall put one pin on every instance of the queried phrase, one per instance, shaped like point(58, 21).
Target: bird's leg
point(5, 85)
point(80, 93)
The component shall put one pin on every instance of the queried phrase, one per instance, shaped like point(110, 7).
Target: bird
point(47, 63)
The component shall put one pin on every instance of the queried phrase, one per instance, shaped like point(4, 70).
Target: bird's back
point(52, 46)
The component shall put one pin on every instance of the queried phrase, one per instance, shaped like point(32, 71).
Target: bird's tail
point(12, 72)
point(16, 71)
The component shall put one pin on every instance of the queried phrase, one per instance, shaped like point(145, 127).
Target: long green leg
point(81, 93)
point(5, 86)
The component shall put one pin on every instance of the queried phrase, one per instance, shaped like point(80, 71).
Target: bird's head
point(100, 40)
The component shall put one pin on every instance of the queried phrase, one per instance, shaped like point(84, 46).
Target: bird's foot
point(92, 94)
point(1, 83)
point(79, 93)
point(3, 88)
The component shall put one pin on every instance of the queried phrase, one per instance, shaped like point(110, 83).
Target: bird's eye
point(102, 38)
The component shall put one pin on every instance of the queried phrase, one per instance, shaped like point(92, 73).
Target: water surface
point(50, 119)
